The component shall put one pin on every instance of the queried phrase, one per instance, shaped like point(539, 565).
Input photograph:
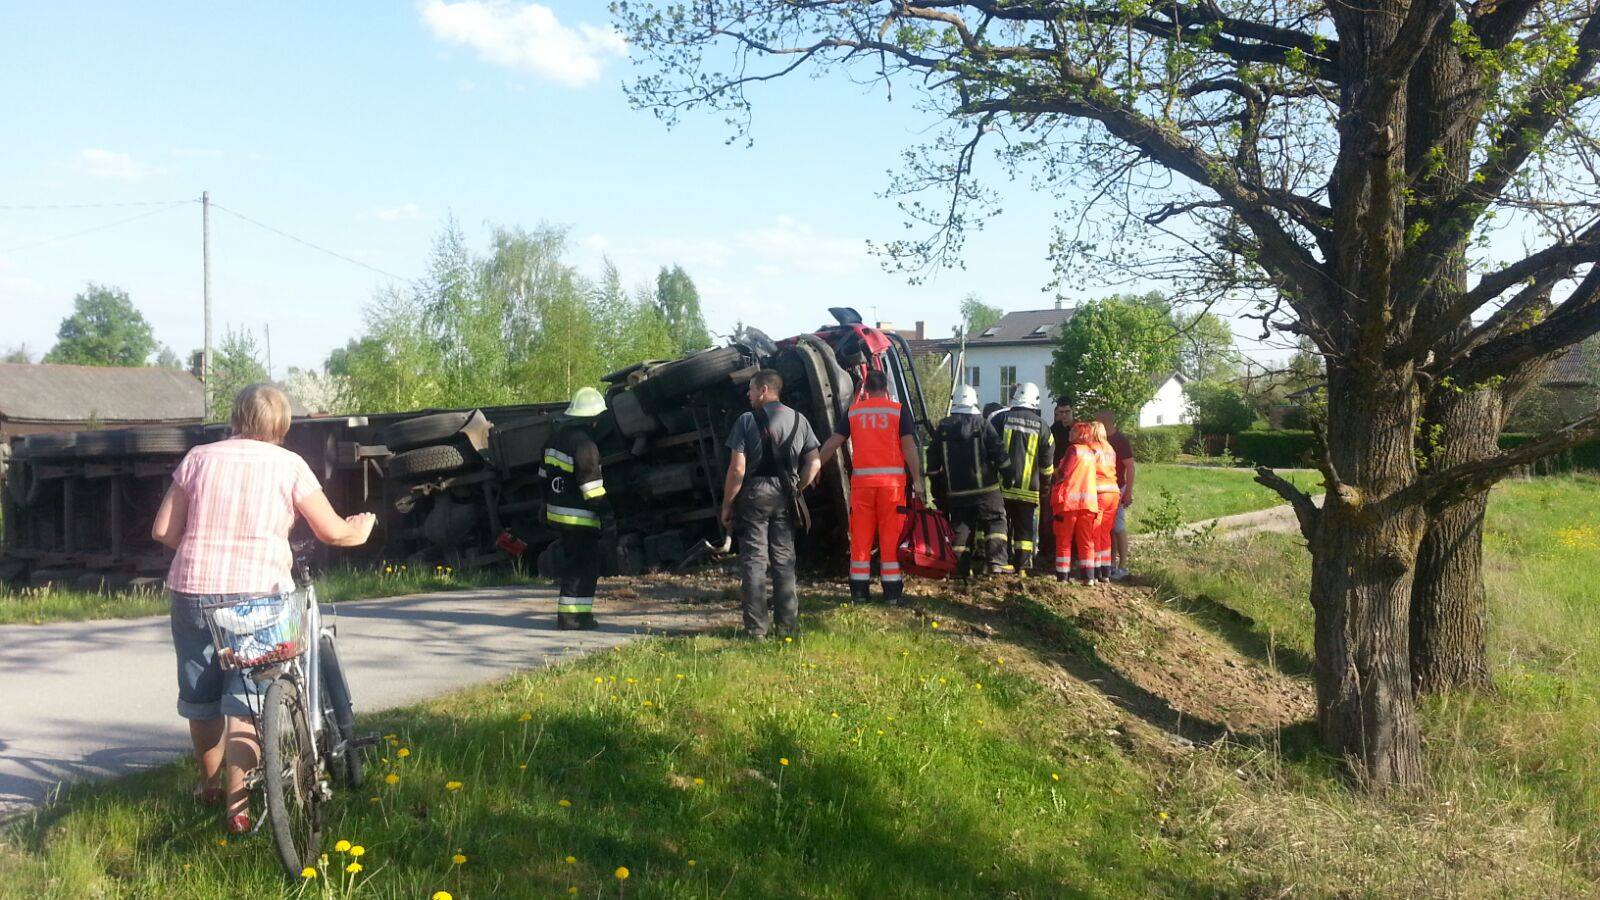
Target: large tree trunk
point(1362, 563)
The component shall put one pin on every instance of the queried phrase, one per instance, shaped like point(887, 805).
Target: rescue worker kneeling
point(575, 505)
point(968, 458)
point(883, 446)
point(1027, 444)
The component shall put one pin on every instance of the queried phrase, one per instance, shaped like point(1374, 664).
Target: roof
point(1578, 367)
point(933, 347)
point(39, 392)
point(1025, 326)
point(1174, 375)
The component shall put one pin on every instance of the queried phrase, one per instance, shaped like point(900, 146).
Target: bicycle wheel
point(290, 772)
point(341, 716)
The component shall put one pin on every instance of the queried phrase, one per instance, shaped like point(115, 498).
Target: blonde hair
point(1082, 432)
point(260, 413)
point(1098, 429)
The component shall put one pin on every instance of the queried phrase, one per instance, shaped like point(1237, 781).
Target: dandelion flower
point(563, 803)
point(308, 873)
point(934, 624)
point(880, 732)
point(680, 676)
point(649, 703)
point(631, 681)
point(459, 859)
point(452, 785)
point(783, 760)
point(599, 680)
point(977, 685)
point(525, 717)
point(522, 766)
point(353, 868)
point(699, 781)
point(358, 850)
point(442, 895)
point(836, 714)
point(391, 778)
point(222, 842)
point(342, 846)
point(1055, 776)
point(692, 863)
point(621, 873)
point(377, 800)
point(787, 639)
point(572, 860)
point(573, 890)
point(1162, 815)
point(403, 752)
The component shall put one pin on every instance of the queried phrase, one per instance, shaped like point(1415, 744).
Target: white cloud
point(526, 37)
point(405, 212)
point(799, 247)
point(98, 163)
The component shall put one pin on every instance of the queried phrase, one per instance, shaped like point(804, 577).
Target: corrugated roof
point(1577, 367)
point(1024, 326)
point(928, 347)
point(108, 394)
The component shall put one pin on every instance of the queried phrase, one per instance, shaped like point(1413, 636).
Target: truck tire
point(50, 446)
point(423, 431)
point(690, 374)
point(425, 461)
point(173, 441)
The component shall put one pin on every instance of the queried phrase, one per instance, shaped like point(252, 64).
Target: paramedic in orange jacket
point(883, 446)
point(1110, 498)
point(1075, 506)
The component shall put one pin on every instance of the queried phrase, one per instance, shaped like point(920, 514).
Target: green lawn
point(1203, 492)
point(35, 606)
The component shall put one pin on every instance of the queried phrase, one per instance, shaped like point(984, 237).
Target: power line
point(64, 237)
point(300, 240)
point(14, 206)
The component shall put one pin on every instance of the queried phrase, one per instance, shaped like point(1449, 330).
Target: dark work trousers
point(578, 568)
point(985, 515)
point(1023, 519)
point(763, 524)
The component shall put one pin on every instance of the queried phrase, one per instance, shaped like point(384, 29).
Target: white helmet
point(586, 404)
point(1026, 396)
point(965, 400)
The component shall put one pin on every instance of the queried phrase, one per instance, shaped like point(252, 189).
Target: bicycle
point(304, 719)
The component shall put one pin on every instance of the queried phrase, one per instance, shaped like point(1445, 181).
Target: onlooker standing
point(968, 457)
point(883, 445)
point(575, 505)
point(1119, 530)
point(1109, 498)
point(227, 514)
point(773, 456)
point(1075, 506)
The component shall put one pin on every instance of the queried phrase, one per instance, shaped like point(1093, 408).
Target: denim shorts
point(1121, 527)
point(205, 689)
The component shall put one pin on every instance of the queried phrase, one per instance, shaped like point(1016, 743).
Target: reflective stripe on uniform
point(880, 470)
point(888, 578)
point(574, 604)
point(554, 457)
point(567, 515)
point(1029, 458)
point(1022, 494)
point(1082, 495)
point(593, 489)
point(864, 408)
point(1024, 545)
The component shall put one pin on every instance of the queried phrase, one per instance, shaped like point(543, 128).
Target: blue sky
point(361, 126)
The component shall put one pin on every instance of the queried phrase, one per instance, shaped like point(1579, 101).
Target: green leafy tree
point(1206, 350)
point(105, 329)
point(1113, 354)
point(977, 316)
point(18, 355)
point(679, 302)
point(1218, 408)
point(631, 329)
point(168, 358)
point(235, 364)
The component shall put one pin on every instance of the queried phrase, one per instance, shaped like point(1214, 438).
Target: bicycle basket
point(257, 631)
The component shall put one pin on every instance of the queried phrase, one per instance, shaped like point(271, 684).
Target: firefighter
point(575, 505)
point(883, 446)
point(1027, 444)
point(968, 458)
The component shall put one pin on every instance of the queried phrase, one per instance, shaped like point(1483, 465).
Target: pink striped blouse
point(242, 499)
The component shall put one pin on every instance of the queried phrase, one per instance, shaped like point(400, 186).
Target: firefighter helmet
point(965, 400)
point(1026, 396)
point(586, 404)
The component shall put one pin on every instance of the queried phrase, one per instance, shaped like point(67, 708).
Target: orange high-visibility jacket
point(1105, 467)
point(875, 454)
point(1078, 487)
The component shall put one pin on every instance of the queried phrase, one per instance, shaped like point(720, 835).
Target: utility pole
point(268, 327)
point(205, 262)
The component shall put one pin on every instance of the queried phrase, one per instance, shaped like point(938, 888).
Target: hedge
point(1293, 449)
point(1161, 443)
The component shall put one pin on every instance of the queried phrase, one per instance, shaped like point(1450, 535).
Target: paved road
point(96, 699)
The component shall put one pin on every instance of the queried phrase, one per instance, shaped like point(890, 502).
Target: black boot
point(567, 621)
point(586, 621)
point(860, 591)
point(893, 591)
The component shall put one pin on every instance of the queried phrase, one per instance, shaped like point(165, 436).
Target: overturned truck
point(459, 487)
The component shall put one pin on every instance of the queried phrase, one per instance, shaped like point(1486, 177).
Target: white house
point(1019, 348)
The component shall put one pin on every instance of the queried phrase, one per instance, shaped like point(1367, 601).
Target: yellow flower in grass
point(353, 868)
point(459, 859)
point(358, 850)
point(699, 781)
point(442, 895)
point(572, 860)
point(403, 752)
point(563, 803)
point(1055, 776)
point(525, 717)
point(222, 842)
point(391, 778)
point(452, 785)
point(342, 846)
point(783, 760)
point(308, 873)
point(572, 890)
point(621, 873)
point(692, 863)
point(599, 680)
point(934, 624)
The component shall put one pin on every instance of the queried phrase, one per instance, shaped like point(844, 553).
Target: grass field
point(1203, 492)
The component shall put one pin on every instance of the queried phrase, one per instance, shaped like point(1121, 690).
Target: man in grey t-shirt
point(756, 506)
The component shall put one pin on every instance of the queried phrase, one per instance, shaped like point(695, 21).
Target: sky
point(362, 128)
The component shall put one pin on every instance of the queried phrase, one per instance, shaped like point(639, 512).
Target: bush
point(1585, 457)
point(1277, 449)
point(1218, 408)
point(1160, 444)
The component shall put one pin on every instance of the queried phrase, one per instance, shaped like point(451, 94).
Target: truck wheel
point(425, 461)
point(423, 431)
point(692, 373)
point(156, 440)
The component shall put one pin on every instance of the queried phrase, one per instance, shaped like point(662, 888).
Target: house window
point(972, 376)
point(1161, 419)
point(991, 331)
point(1008, 382)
